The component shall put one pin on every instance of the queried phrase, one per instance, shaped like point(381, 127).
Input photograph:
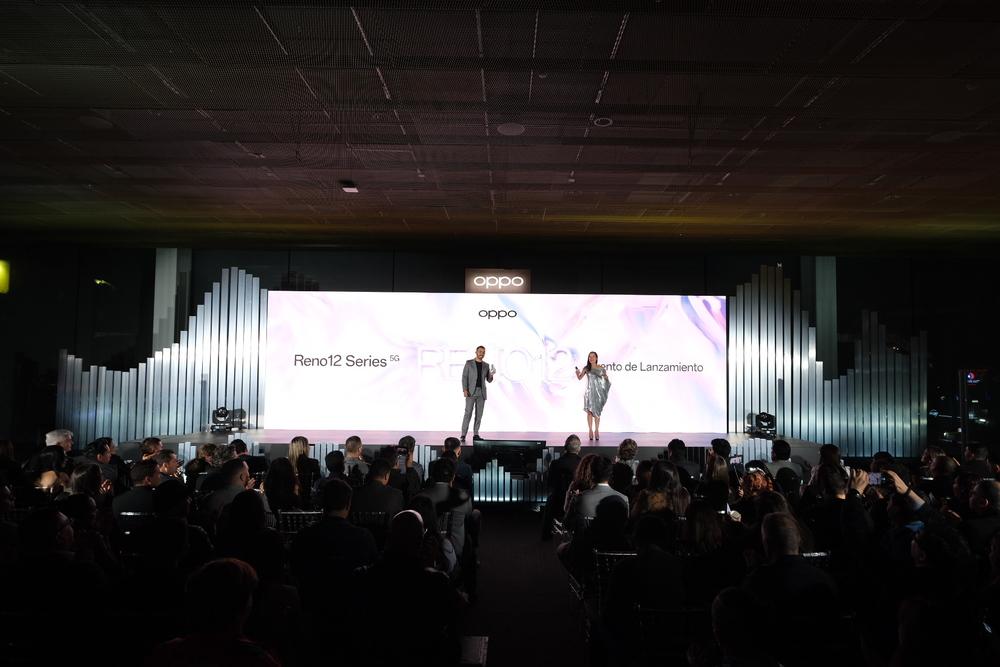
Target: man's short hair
point(239, 446)
point(334, 461)
point(830, 479)
point(676, 447)
point(232, 469)
point(722, 448)
point(601, 469)
point(409, 442)
point(224, 453)
point(208, 449)
point(452, 443)
point(780, 534)
point(379, 468)
point(573, 444)
point(57, 436)
point(480, 347)
point(442, 470)
point(353, 444)
point(150, 446)
point(449, 454)
point(881, 461)
point(143, 469)
point(781, 449)
point(336, 496)
point(164, 455)
point(99, 447)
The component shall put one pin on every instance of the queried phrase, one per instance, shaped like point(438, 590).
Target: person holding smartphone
point(596, 395)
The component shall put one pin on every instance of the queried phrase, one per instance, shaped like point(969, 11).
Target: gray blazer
point(584, 506)
point(469, 377)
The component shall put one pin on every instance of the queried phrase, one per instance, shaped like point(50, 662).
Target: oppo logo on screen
point(497, 314)
point(508, 281)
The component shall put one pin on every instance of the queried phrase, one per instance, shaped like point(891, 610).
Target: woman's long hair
point(665, 479)
point(298, 448)
point(583, 478)
point(586, 369)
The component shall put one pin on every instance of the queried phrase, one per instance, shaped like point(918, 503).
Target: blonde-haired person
point(306, 468)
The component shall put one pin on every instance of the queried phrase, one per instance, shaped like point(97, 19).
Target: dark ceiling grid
point(833, 121)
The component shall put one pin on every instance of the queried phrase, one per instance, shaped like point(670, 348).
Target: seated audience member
point(739, 623)
point(830, 454)
point(437, 551)
point(89, 543)
point(306, 468)
point(664, 495)
point(88, 480)
point(781, 457)
point(961, 492)
point(557, 481)
point(643, 473)
point(769, 502)
point(220, 600)
point(754, 483)
point(584, 505)
point(54, 456)
point(47, 563)
point(800, 598)
point(407, 448)
point(336, 468)
point(325, 553)
point(281, 487)
point(712, 562)
point(168, 464)
point(453, 506)
point(677, 454)
point(721, 450)
point(838, 520)
point(927, 457)
point(583, 480)
point(881, 461)
point(354, 461)
point(983, 520)
point(243, 534)
point(101, 452)
point(256, 464)
point(977, 461)
point(623, 469)
point(145, 476)
point(942, 471)
point(463, 471)
point(149, 448)
point(376, 495)
point(403, 474)
point(431, 636)
point(235, 478)
point(172, 503)
point(199, 466)
point(606, 532)
point(653, 579)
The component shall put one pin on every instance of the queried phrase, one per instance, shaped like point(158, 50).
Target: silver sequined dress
point(596, 395)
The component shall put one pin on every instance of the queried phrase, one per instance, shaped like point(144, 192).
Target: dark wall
point(54, 303)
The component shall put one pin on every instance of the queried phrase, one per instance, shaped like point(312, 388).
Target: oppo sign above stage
point(498, 281)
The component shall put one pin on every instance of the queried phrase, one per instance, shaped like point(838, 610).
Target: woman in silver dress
point(598, 384)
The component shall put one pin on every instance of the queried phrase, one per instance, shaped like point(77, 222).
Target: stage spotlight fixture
point(763, 425)
point(221, 420)
point(349, 186)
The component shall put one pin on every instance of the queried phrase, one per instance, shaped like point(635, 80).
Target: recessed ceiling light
point(603, 121)
point(348, 186)
point(510, 129)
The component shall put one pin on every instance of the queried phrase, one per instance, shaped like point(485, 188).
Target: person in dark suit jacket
point(799, 597)
point(557, 481)
point(326, 553)
point(376, 495)
point(983, 521)
point(451, 501)
point(145, 476)
point(463, 471)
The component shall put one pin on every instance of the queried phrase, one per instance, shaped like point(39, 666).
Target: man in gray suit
point(475, 375)
point(584, 505)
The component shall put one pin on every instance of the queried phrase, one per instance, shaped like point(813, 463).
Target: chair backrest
point(129, 522)
point(820, 559)
point(15, 515)
point(290, 523)
point(605, 562)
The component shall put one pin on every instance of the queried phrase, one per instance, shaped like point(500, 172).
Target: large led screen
point(394, 360)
